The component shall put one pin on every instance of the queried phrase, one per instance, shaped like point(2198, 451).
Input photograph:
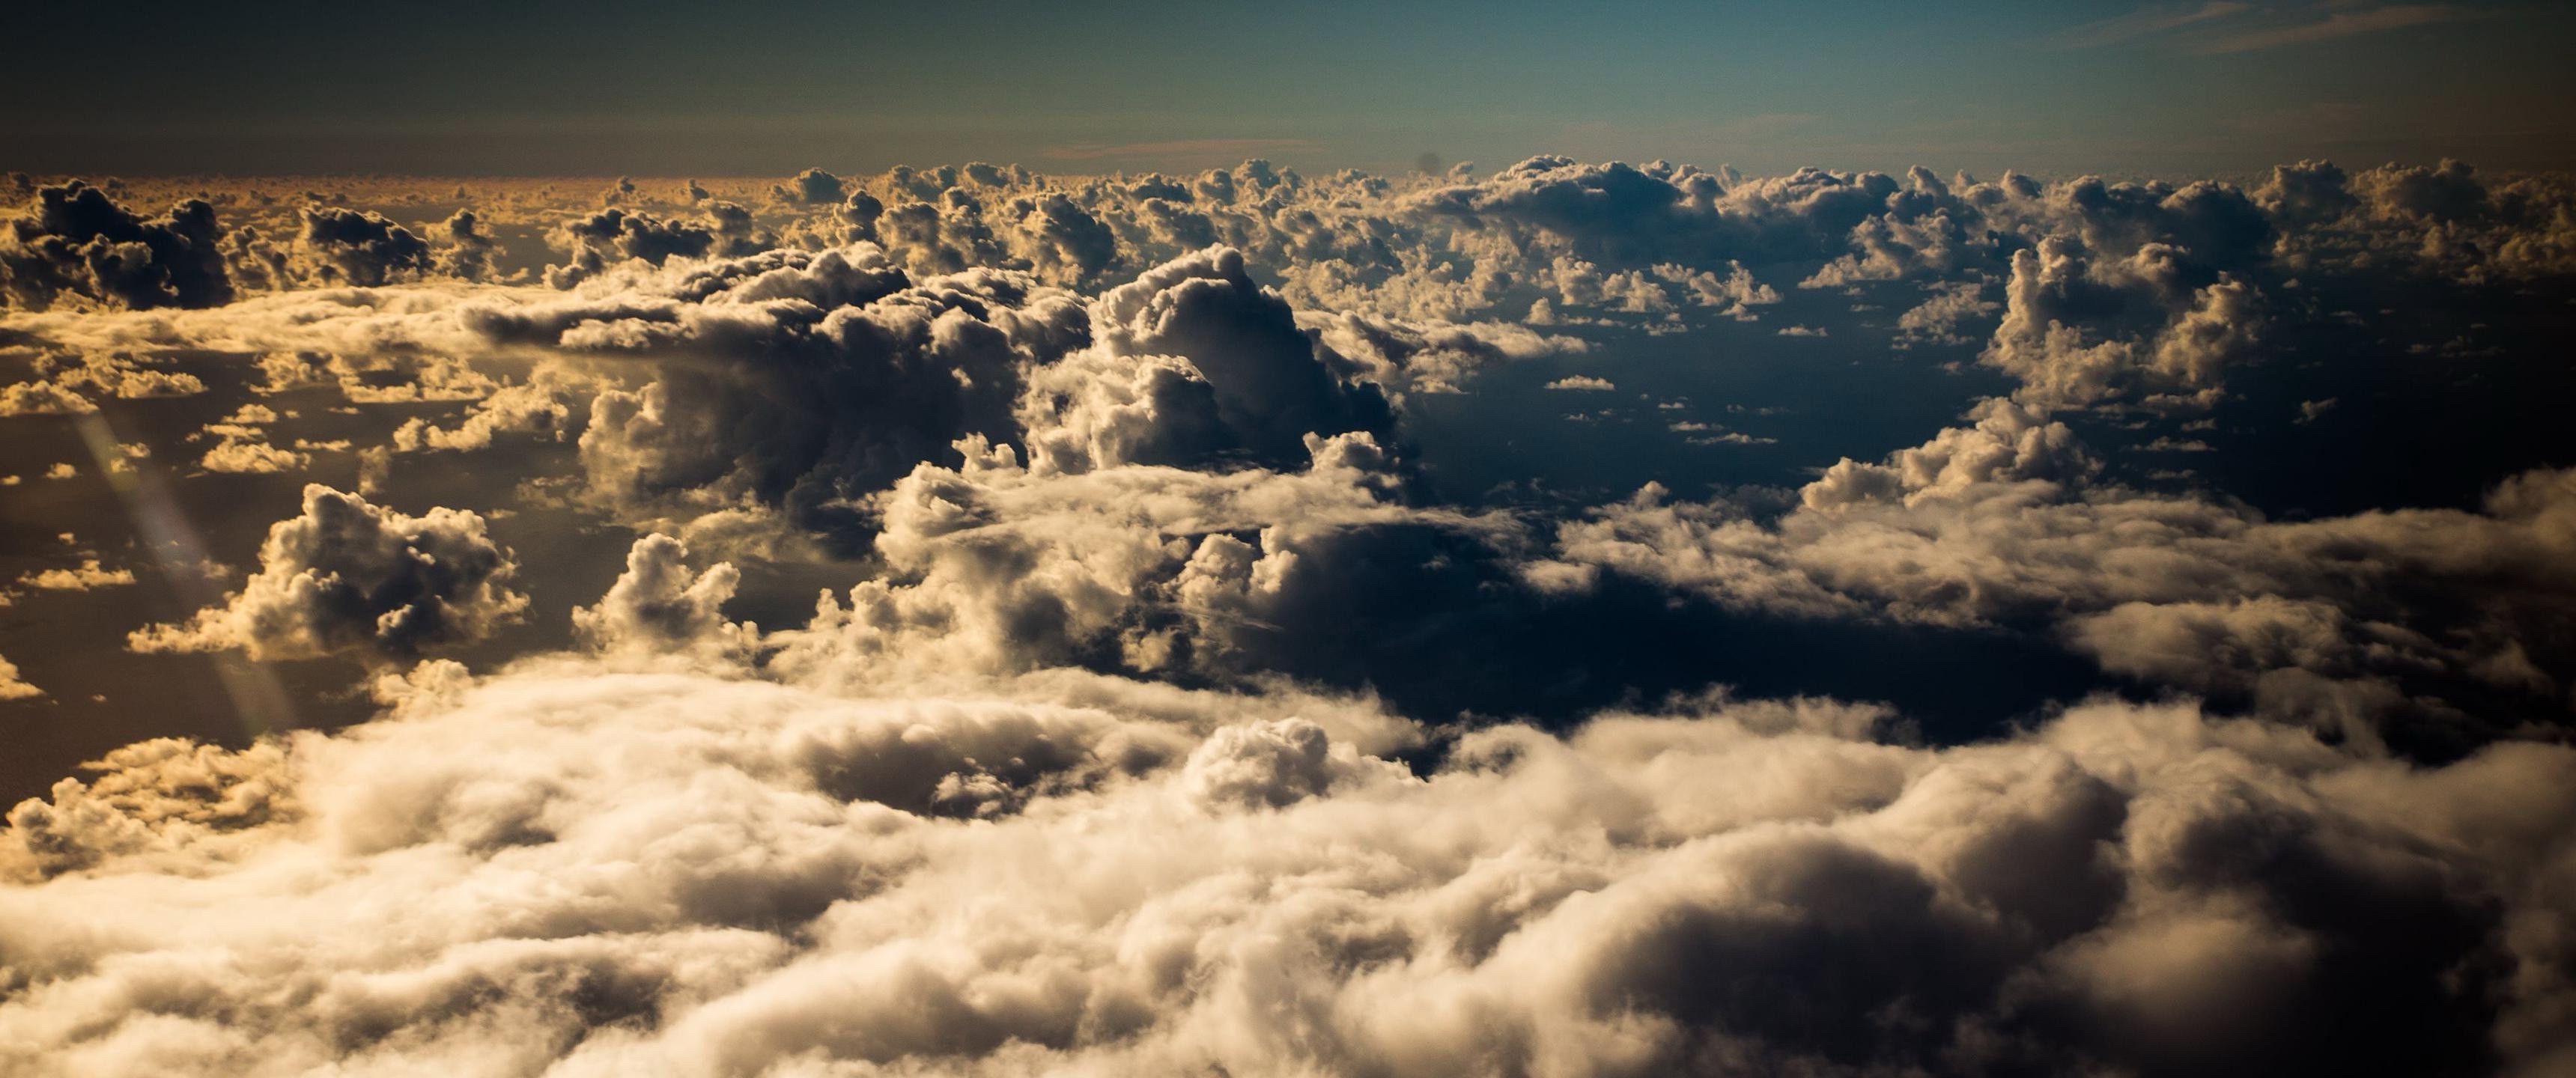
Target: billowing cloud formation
point(346, 576)
point(694, 874)
point(1253, 385)
point(74, 242)
point(614, 235)
point(819, 377)
point(659, 606)
point(2187, 324)
point(2447, 217)
point(999, 568)
point(363, 248)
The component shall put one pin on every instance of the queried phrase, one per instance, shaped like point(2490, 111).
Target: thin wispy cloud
point(2144, 22)
point(2338, 25)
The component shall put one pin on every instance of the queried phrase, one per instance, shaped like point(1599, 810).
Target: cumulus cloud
point(13, 687)
point(75, 244)
point(660, 607)
point(349, 577)
point(613, 235)
point(813, 187)
point(1438, 357)
point(469, 251)
point(68, 384)
point(1267, 383)
point(42, 398)
point(88, 575)
point(2079, 329)
point(542, 405)
point(325, 243)
point(245, 450)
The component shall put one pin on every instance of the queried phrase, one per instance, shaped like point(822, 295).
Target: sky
point(1997, 541)
point(671, 89)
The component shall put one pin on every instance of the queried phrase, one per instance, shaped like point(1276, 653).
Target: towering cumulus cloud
point(1583, 619)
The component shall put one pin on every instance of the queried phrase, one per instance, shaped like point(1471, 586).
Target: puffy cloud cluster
point(2431, 628)
point(348, 577)
point(616, 235)
point(541, 405)
point(71, 384)
point(242, 445)
point(812, 187)
point(1436, 357)
point(362, 248)
point(1454, 248)
point(89, 574)
point(468, 251)
point(75, 244)
point(328, 246)
point(800, 382)
point(2448, 218)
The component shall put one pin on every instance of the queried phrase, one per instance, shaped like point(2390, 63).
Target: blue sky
point(664, 88)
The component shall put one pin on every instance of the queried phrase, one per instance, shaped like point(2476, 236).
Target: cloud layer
point(967, 620)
